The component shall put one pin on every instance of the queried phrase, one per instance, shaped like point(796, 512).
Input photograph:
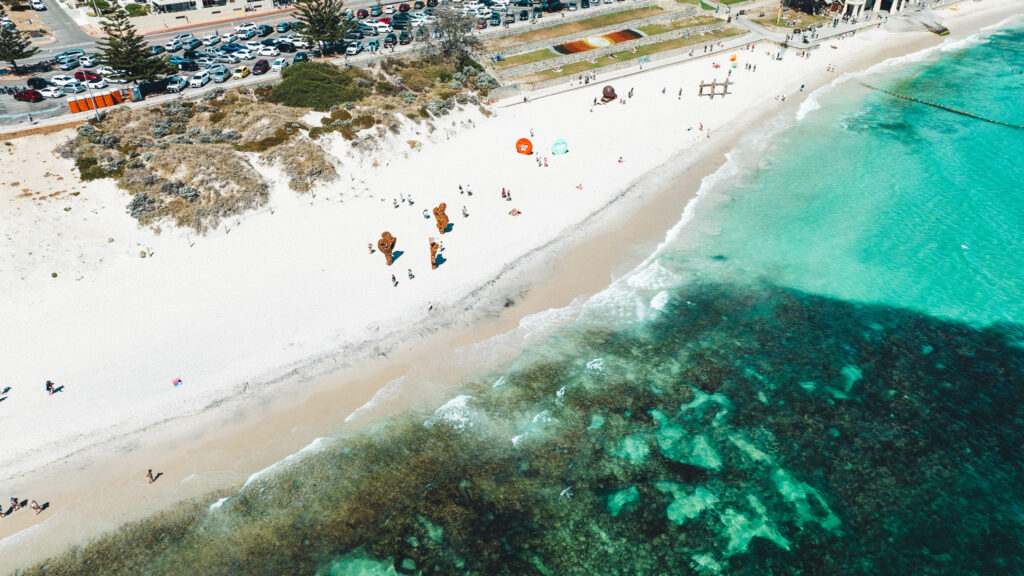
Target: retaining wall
point(668, 16)
point(554, 19)
point(599, 52)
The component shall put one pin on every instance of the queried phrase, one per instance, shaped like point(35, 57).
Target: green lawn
point(577, 67)
point(727, 2)
point(526, 58)
point(663, 27)
point(706, 6)
point(569, 28)
point(690, 2)
point(798, 19)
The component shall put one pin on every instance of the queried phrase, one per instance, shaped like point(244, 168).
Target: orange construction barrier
point(107, 100)
point(118, 98)
point(73, 105)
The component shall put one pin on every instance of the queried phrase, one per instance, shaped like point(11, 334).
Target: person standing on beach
point(15, 505)
point(394, 281)
point(49, 387)
point(149, 476)
point(410, 274)
point(370, 246)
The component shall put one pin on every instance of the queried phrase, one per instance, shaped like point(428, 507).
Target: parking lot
point(229, 55)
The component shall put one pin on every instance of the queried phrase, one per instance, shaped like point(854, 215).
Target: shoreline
point(607, 249)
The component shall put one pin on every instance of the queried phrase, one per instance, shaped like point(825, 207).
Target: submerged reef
point(742, 430)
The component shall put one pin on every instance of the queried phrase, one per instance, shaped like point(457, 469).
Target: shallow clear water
point(822, 374)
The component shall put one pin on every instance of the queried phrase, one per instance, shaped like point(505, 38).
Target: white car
point(245, 27)
point(105, 70)
point(253, 45)
point(269, 51)
point(279, 64)
point(38, 5)
point(381, 27)
point(184, 37)
point(245, 54)
point(97, 83)
point(62, 80)
point(211, 39)
point(228, 37)
point(52, 92)
point(389, 10)
point(173, 45)
point(227, 58)
point(201, 79)
point(87, 60)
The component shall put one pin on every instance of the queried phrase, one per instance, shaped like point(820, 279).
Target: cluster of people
point(18, 504)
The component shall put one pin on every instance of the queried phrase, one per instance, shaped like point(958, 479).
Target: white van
point(37, 5)
point(381, 27)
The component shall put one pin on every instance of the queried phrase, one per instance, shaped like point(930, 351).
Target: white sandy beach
point(264, 310)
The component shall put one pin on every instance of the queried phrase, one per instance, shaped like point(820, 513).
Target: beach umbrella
point(524, 146)
point(560, 146)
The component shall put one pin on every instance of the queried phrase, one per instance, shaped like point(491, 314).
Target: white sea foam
point(218, 504)
point(455, 412)
point(313, 446)
point(388, 392)
point(660, 300)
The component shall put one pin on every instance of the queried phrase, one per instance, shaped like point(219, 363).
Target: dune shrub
point(317, 85)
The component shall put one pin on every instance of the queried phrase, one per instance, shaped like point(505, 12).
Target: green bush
point(89, 169)
point(137, 9)
point(317, 85)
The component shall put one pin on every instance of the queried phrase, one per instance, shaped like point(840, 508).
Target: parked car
point(431, 3)
point(62, 80)
point(253, 45)
point(231, 47)
point(52, 92)
point(177, 84)
point(245, 54)
point(220, 74)
point(204, 62)
point(191, 44)
point(404, 38)
point(404, 7)
point(300, 57)
point(75, 53)
point(584, 4)
point(283, 27)
point(373, 45)
point(200, 79)
point(68, 64)
point(172, 45)
point(245, 35)
point(390, 40)
point(279, 64)
point(28, 96)
point(73, 87)
point(269, 51)
point(510, 18)
point(211, 40)
point(286, 47)
point(495, 19)
point(375, 11)
point(228, 59)
point(188, 65)
point(96, 84)
point(354, 48)
point(184, 37)
point(572, 6)
point(39, 83)
point(418, 4)
point(228, 37)
point(361, 13)
point(240, 72)
point(480, 24)
point(268, 42)
point(175, 60)
point(87, 60)
point(156, 49)
point(37, 5)
point(260, 67)
point(245, 27)
point(84, 75)
point(354, 35)
point(263, 31)
point(116, 78)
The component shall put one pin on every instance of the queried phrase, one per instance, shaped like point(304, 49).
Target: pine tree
point(14, 45)
point(125, 50)
point(323, 19)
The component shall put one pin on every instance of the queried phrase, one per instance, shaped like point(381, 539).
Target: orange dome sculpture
point(524, 146)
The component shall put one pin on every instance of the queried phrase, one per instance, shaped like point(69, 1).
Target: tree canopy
point(14, 44)
point(456, 39)
point(125, 50)
point(324, 23)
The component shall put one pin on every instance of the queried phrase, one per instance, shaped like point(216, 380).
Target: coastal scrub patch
point(305, 164)
point(318, 85)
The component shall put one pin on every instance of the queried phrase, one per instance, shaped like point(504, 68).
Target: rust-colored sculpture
point(608, 94)
point(386, 244)
point(434, 246)
point(442, 218)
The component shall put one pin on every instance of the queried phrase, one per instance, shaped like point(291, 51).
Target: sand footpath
point(258, 317)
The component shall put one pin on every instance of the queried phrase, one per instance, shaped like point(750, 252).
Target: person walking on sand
point(370, 245)
point(620, 160)
point(410, 274)
point(461, 191)
point(15, 505)
point(49, 387)
point(394, 281)
point(502, 193)
point(149, 476)
point(465, 213)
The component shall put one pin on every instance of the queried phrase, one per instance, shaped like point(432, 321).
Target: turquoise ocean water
point(822, 372)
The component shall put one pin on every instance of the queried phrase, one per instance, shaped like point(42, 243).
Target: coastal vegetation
point(194, 163)
point(14, 44)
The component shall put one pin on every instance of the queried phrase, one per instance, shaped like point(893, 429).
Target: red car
point(362, 14)
point(403, 7)
point(28, 96)
point(385, 20)
point(86, 75)
point(481, 24)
